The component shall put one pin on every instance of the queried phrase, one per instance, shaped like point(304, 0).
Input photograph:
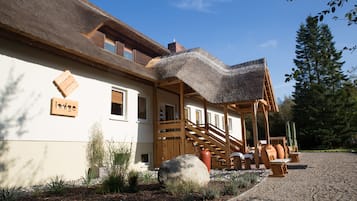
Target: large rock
point(184, 168)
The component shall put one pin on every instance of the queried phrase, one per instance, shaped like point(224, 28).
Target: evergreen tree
point(321, 100)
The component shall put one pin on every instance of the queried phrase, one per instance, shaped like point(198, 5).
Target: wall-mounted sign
point(66, 83)
point(64, 107)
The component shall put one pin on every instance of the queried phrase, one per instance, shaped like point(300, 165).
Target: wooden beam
point(266, 124)
point(155, 125)
point(182, 117)
point(255, 133)
point(244, 132)
point(205, 113)
point(191, 94)
point(168, 82)
point(228, 142)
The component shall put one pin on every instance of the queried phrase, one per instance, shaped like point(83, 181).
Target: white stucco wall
point(46, 140)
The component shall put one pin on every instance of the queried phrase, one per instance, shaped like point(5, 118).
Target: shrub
point(113, 184)
point(181, 188)
point(117, 158)
point(56, 186)
point(133, 181)
point(147, 177)
point(230, 188)
point(210, 193)
point(95, 149)
point(10, 193)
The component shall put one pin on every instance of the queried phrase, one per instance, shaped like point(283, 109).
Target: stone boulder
point(184, 168)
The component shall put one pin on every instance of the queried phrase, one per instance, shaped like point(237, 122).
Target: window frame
point(125, 105)
point(188, 113)
point(146, 109)
point(111, 42)
point(129, 51)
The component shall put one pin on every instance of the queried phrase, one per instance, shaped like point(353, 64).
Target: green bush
point(210, 193)
point(113, 184)
point(133, 181)
point(10, 193)
point(181, 188)
point(56, 186)
point(147, 177)
point(230, 188)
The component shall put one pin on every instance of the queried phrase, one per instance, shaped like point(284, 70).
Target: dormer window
point(128, 53)
point(109, 45)
point(115, 42)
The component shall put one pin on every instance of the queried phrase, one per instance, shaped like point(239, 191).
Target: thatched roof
point(63, 26)
point(212, 79)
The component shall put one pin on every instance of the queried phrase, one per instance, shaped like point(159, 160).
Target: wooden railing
point(170, 128)
point(236, 145)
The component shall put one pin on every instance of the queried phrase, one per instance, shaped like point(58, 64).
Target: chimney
point(175, 47)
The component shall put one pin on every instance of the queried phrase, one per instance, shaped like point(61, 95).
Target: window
point(109, 45)
point(230, 124)
point(145, 158)
point(209, 117)
point(198, 117)
point(188, 113)
point(141, 108)
point(216, 120)
point(118, 103)
point(223, 124)
point(128, 53)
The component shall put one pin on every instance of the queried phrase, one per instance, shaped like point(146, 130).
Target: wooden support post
point(266, 123)
point(244, 133)
point(205, 113)
point(182, 117)
point(155, 125)
point(255, 133)
point(228, 142)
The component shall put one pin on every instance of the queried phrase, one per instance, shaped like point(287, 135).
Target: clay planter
point(264, 155)
point(280, 151)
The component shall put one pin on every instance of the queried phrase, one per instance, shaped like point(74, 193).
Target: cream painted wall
point(56, 144)
point(236, 122)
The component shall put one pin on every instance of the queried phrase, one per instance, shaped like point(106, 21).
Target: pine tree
point(320, 97)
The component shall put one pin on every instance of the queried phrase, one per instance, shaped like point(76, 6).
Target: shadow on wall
point(10, 122)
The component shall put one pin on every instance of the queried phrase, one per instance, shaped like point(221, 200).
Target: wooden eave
point(33, 41)
point(268, 92)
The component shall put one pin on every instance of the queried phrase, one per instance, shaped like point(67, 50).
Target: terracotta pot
point(264, 154)
point(280, 151)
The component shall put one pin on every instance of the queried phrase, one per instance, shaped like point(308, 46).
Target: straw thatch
point(212, 79)
point(63, 26)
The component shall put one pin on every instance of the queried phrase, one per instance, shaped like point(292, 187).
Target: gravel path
point(328, 176)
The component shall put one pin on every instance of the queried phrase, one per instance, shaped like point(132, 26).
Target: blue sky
point(234, 31)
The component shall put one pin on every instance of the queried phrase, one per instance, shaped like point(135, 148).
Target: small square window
point(110, 46)
point(141, 108)
point(128, 53)
point(145, 158)
point(118, 103)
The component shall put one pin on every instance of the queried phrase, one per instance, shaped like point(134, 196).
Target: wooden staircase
point(213, 139)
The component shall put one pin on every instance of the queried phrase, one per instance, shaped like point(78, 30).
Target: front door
point(169, 112)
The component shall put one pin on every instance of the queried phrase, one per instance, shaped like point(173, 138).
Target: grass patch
point(344, 150)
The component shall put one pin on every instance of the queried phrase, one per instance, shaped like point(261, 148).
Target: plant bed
point(216, 190)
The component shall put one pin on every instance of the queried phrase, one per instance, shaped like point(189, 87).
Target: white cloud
point(270, 43)
point(198, 5)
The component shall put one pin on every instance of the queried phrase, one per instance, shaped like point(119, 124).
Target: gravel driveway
point(319, 176)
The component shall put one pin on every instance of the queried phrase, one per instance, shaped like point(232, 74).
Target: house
point(67, 65)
